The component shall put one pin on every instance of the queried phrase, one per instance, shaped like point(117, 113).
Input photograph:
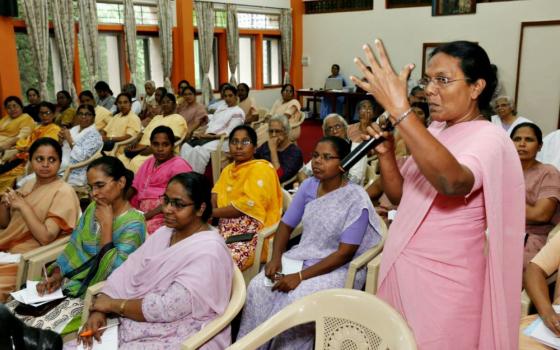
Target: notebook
point(540, 332)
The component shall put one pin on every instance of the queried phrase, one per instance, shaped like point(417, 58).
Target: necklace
point(174, 235)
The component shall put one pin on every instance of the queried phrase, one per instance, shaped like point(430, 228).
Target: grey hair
point(504, 97)
point(150, 82)
point(340, 119)
point(282, 119)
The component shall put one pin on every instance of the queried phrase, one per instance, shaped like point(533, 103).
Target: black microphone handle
point(360, 152)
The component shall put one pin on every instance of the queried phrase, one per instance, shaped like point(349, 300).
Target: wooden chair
point(30, 266)
point(78, 165)
point(211, 329)
point(344, 319)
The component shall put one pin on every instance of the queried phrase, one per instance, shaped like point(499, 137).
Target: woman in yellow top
point(15, 125)
point(16, 159)
point(246, 198)
point(135, 155)
point(64, 112)
point(289, 106)
point(124, 125)
point(39, 212)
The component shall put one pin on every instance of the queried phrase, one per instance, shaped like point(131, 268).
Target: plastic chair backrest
point(344, 319)
point(238, 295)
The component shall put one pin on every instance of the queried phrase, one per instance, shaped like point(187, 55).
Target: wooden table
point(332, 96)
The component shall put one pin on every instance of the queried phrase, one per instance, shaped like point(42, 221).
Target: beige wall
point(337, 38)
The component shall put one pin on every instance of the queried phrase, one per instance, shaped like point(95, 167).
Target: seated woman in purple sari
point(332, 235)
point(176, 282)
point(154, 174)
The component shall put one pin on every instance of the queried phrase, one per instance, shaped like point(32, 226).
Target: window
point(213, 74)
point(244, 73)
point(114, 13)
point(326, 6)
point(258, 21)
point(111, 59)
point(272, 61)
point(148, 62)
point(29, 76)
point(220, 18)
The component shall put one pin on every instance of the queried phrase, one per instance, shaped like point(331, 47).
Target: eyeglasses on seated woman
point(177, 282)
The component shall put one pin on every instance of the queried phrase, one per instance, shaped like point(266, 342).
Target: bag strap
point(93, 265)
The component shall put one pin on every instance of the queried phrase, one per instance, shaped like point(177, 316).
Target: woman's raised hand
point(388, 88)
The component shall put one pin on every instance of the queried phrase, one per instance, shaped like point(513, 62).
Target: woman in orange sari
point(17, 157)
point(246, 198)
point(38, 213)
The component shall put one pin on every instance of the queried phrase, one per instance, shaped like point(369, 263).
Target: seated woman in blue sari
point(332, 235)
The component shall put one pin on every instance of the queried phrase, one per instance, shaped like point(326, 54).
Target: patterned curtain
point(286, 31)
point(36, 15)
point(89, 37)
point(63, 22)
point(205, 23)
point(130, 36)
point(232, 34)
point(165, 19)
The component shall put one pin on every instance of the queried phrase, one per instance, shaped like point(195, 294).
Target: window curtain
point(286, 32)
point(165, 19)
point(63, 22)
point(205, 24)
point(130, 36)
point(232, 34)
point(36, 15)
point(90, 38)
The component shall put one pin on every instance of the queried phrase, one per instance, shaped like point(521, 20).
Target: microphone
point(363, 148)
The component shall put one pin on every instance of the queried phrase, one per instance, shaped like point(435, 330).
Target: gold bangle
point(300, 277)
point(122, 306)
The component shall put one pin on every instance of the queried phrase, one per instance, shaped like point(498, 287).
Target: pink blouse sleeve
point(173, 304)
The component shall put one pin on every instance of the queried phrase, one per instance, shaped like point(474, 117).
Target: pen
point(45, 272)
point(89, 332)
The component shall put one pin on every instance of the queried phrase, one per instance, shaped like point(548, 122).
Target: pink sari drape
point(435, 253)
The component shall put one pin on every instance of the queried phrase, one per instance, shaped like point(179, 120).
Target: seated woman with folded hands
point(38, 213)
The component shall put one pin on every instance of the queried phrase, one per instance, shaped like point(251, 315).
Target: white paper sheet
point(8, 258)
point(109, 339)
point(30, 296)
point(288, 266)
point(540, 332)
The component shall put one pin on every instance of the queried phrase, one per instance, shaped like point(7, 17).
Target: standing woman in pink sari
point(154, 174)
point(457, 287)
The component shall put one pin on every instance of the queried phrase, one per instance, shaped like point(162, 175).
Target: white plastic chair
point(211, 329)
point(344, 319)
point(365, 258)
point(122, 144)
point(217, 158)
point(31, 263)
point(80, 164)
point(554, 278)
point(262, 236)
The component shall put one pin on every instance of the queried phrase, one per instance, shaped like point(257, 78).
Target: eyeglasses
point(335, 127)
point(41, 159)
point(84, 115)
point(242, 143)
point(175, 203)
point(439, 82)
point(275, 131)
point(98, 185)
point(325, 156)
